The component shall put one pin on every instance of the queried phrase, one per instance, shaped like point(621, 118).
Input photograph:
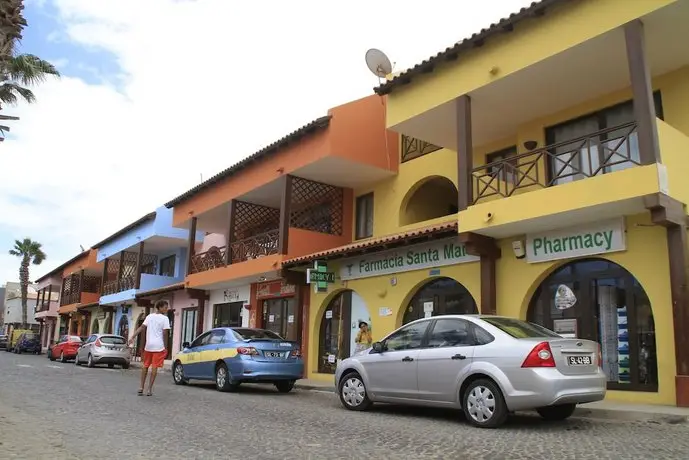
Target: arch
point(597, 299)
point(448, 296)
point(95, 326)
point(430, 198)
point(344, 329)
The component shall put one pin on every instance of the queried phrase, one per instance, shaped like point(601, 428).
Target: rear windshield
point(246, 334)
point(519, 329)
point(74, 339)
point(30, 335)
point(111, 340)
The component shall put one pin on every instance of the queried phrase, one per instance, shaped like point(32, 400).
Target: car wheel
point(353, 394)
point(63, 359)
point(50, 356)
point(178, 374)
point(556, 413)
point(223, 380)
point(284, 386)
point(89, 361)
point(125, 366)
point(111, 366)
point(484, 405)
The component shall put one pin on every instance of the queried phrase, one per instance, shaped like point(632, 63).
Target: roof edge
point(123, 230)
point(63, 265)
point(307, 129)
point(163, 290)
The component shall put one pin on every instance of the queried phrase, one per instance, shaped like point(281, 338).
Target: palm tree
point(30, 252)
point(18, 71)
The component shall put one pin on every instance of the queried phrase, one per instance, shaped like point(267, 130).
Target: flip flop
point(140, 392)
point(150, 393)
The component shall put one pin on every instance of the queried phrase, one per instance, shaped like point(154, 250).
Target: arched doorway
point(123, 327)
point(345, 329)
point(599, 300)
point(94, 327)
point(436, 197)
point(441, 296)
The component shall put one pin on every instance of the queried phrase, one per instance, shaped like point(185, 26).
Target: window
point(201, 340)
point(74, 338)
point(505, 169)
point(409, 338)
point(216, 337)
point(451, 333)
point(167, 266)
point(364, 216)
point(247, 334)
point(110, 340)
point(519, 329)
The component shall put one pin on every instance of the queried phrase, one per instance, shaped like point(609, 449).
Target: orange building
point(292, 198)
point(81, 283)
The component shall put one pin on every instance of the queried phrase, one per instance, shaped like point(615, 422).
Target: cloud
point(201, 84)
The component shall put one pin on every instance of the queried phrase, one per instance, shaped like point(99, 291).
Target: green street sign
point(319, 276)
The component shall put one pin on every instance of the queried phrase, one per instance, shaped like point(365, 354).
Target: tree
point(30, 252)
point(18, 71)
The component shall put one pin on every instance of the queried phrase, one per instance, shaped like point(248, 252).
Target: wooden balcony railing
point(413, 148)
point(598, 153)
point(110, 287)
point(260, 245)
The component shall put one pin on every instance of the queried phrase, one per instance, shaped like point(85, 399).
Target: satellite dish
point(378, 63)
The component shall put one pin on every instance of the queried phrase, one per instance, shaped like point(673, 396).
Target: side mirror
point(185, 345)
point(378, 347)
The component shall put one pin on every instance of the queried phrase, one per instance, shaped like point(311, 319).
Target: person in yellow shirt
point(363, 339)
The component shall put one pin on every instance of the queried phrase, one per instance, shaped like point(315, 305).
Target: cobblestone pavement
point(60, 411)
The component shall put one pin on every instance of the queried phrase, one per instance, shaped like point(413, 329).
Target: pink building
point(47, 302)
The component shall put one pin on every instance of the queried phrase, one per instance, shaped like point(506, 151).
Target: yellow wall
point(517, 281)
point(532, 41)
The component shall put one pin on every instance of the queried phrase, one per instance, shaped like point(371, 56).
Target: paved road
point(59, 411)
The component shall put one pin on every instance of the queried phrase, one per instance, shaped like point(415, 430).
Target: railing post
point(50, 295)
point(285, 214)
point(120, 270)
point(81, 285)
point(39, 300)
point(229, 237)
point(137, 269)
point(62, 291)
point(465, 154)
point(642, 91)
point(190, 245)
point(104, 278)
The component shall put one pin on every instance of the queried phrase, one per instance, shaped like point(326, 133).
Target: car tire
point(483, 404)
point(223, 380)
point(285, 386)
point(353, 393)
point(50, 356)
point(178, 374)
point(111, 366)
point(63, 359)
point(556, 413)
point(89, 361)
point(125, 366)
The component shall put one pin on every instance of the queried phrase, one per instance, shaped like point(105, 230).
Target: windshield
point(74, 338)
point(246, 334)
point(112, 340)
point(519, 329)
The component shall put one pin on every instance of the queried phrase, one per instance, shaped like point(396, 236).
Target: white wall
point(235, 294)
point(212, 239)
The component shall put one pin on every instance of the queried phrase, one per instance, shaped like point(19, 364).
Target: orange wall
point(305, 242)
point(89, 297)
point(357, 132)
point(238, 270)
point(305, 151)
point(82, 263)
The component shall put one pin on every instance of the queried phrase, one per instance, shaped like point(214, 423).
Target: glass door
point(188, 325)
point(281, 317)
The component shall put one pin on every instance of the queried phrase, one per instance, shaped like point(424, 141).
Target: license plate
point(285, 344)
point(579, 360)
point(273, 354)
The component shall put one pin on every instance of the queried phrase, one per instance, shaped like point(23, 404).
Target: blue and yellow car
point(234, 355)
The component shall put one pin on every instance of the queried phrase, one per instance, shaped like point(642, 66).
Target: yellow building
point(540, 177)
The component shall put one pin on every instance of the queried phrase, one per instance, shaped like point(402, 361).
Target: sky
point(156, 95)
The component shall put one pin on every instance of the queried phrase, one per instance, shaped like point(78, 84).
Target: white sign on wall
point(448, 251)
point(586, 240)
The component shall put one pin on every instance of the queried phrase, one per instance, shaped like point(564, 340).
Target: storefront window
point(345, 330)
point(280, 317)
point(442, 296)
point(599, 300)
point(188, 325)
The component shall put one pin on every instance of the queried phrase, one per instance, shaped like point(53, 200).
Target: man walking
point(157, 326)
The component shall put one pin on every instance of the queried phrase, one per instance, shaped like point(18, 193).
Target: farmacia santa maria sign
point(434, 254)
point(586, 240)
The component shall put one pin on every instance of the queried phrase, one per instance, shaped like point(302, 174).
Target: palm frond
point(9, 92)
point(29, 69)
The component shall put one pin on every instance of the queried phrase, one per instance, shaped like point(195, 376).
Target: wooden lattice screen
point(252, 219)
point(316, 206)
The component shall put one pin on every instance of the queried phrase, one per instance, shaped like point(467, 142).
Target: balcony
point(130, 271)
point(587, 178)
point(306, 217)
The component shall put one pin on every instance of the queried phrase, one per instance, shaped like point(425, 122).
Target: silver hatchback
point(107, 349)
point(488, 366)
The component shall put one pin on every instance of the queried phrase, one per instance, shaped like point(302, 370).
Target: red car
point(65, 348)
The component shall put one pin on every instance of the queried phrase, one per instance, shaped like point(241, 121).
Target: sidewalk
point(605, 410)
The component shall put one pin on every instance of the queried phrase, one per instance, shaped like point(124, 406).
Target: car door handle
point(458, 356)
point(407, 358)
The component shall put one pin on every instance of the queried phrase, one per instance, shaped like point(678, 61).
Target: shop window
point(228, 314)
point(167, 266)
point(364, 216)
point(441, 296)
point(598, 300)
point(436, 197)
point(345, 330)
point(189, 316)
point(280, 317)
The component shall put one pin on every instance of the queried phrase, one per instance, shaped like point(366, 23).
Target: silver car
point(488, 366)
point(107, 349)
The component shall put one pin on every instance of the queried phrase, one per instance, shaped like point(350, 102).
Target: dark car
point(3, 341)
point(28, 342)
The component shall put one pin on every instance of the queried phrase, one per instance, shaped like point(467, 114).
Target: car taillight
point(296, 353)
point(249, 351)
point(600, 357)
point(99, 343)
point(540, 356)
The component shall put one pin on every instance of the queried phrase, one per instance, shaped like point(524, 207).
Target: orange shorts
point(154, 358)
